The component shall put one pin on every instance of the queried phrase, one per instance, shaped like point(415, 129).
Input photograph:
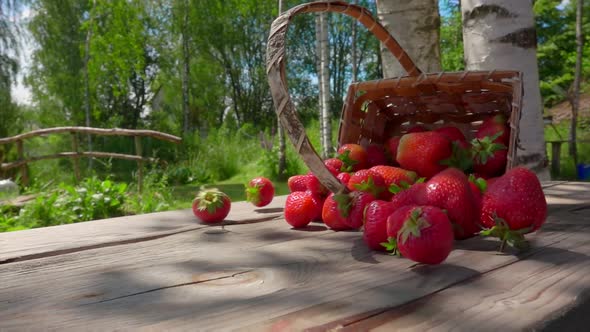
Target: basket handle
point(275, 69)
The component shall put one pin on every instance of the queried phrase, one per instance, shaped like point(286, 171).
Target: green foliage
point(561, 132)
point(155, 195)
point(556, 50)
point(451, 37)
point(92, 199)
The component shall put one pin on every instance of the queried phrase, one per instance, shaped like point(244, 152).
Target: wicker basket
point(376, 110)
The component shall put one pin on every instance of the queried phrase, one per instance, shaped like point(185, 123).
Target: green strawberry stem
point(483, 148)
point(369, 186)
point(391, 245)
point(413, 225)
point(344, 202)
point(461, 158)
point(347, 162)
point(480, 183)
point(511, 237)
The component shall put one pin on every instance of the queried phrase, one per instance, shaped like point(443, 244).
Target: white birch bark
point(500, 34)
point(324, 82)
point(415, 24)
point(281, 132)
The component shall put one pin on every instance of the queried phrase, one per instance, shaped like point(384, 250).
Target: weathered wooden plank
point(257, 277)
point(49, 241)
point(526, 295)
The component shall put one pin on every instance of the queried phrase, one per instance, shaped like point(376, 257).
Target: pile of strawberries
point(419, 192)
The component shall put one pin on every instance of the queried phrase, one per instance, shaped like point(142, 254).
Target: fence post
point(555, 157)
point(76, 158)
point(138, 152)
point(21, 156)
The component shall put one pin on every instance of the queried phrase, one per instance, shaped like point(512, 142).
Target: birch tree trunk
point(353, 57)
point(186, 58)
point(281, 133)
point(500, 34)
point(326, 123)
point(87, 80)
point(415, 24)
point(573, 151)
point(318, 64)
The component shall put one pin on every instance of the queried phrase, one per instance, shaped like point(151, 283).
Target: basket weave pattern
point(376, 110)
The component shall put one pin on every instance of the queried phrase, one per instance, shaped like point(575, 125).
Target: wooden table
point(164, 271)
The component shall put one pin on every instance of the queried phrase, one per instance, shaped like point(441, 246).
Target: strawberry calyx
point(391, 246)
point(484, 148)
point(347, 162)
point(344, 203)
point(395, 188)
point(480, 183)
point(460, 158)
point(369, 186)
point(514, 238)
point(210, 199)
point(253, 193)
point(412, 226)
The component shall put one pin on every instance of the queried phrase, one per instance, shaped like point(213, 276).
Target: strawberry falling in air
point(260, 191)
point(211, 205)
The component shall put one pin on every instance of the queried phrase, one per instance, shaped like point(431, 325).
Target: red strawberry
point(417, 129)
point(424, 233)
point(353, 156)
point(450, 190)
point(335, 211)
point(493, 126)
point(452, 133)
point(391, 148)
point(423, 152)
point(344, 178)
point(395, 178)
point(297, 183)
point(318, 205)
point(359, 201)
point(411, 196)
point(489, 158)
point(314, 185)
point(512, 206)
point(260, 191)
point(375, 223)
point(376, 155)
point(334, 163)
point(300, 208)
point(211, 205)
point(368, 181)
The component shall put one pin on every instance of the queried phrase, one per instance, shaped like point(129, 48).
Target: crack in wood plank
point(233, 275)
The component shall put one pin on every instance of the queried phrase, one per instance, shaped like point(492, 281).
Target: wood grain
point(260, 276)
point(55, 240)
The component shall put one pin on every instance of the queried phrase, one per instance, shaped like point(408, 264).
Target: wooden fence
point(556, 154)
point(76, 153)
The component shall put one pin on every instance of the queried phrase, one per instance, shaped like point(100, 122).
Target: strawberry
point(417, 129)
point(411, 196)
point(297, 183)
point(424, 233)
point(211, 205)
point(375, 223)
point(344, 178)
point(513, 205)
point(359, 201)
point(353, 156)
point(260, 191)
point(335, 211)
point(368, 181)
point(453, 134)
point(423, 152)
point(314, 185)
point(391, 148)
point(395, 178)
point(489, 157)
point(495, 125)
point(334, 163)
point(301, 208)
point(450, 190)
point(376, 155)
point(318, 205)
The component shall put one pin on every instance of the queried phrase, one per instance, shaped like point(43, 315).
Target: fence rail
point(137, 134)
